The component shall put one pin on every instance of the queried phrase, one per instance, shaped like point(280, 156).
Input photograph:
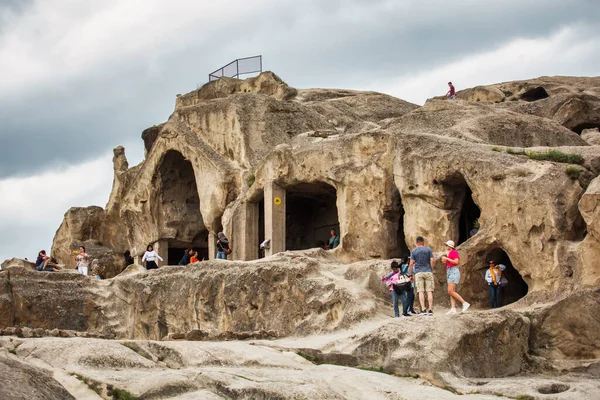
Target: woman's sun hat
point(450, 243)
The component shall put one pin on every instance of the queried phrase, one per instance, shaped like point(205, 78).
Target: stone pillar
point(274, 218)
point(212, 245)
point(249, 235)
point(162, 249)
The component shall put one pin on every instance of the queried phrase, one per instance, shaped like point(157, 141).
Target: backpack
point(403, 284)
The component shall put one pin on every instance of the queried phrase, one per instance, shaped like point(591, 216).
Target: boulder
point(23, 381)
point(481, 93)
point(17, 263)
point(592, 136)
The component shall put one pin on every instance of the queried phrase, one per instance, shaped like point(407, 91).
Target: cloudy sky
point(78, 78)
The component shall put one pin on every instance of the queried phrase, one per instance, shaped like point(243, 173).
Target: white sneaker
point(465, 306)
point(452, 311)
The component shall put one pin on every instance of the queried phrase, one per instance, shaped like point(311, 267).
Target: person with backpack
point(452, 261)
point(410, 293)
point(398, 285)
point(223, 248)
point(493, 278)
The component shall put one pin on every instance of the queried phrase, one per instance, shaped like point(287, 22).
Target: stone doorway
point(311, 213)
point(180, 222)
point(261, 227)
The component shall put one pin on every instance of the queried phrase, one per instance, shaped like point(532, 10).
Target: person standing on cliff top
point(82, 260)
point(452, 261)
point(452, 92)
point(422, 262)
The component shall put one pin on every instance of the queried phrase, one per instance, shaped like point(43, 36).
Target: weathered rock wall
point(284, 296)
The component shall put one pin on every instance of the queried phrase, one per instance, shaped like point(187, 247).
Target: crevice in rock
point(395, 217)
point(461, 198)
point(311, 213)
point(535, 94)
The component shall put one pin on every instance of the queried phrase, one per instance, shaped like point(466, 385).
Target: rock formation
point(259, 160)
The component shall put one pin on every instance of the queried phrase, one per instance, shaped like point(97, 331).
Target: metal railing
point(241, 66)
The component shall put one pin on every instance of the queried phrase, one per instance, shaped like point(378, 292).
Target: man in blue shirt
point(421, 264)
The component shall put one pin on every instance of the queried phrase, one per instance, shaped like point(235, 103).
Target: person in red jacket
point(451, 93)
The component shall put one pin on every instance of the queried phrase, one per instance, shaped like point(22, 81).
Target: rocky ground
point(68, 333)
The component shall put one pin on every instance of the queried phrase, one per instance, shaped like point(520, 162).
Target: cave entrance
point(459, 198)
point(475, 287)
point(179, 219)
point(261, 227)
point(311, 213)
point(578, 129)
point(395, 217)
point(468, 224)
point(535, 94)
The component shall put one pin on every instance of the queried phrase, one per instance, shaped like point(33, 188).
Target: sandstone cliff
point(259, 160)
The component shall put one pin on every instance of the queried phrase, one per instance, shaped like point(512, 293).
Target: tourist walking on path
point(194, 258)
point(150, 257)
point(421, 263)
point(492, 277)
point(452, 92)
point(82, 260)
point(452, 261)
point(222, 246)
point(392, 279)
point(410, 293)
point(334, 240)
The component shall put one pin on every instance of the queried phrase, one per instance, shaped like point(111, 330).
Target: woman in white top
point(82, 259)
point(149, 256)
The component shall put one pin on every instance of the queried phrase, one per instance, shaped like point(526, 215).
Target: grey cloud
point(308, 44)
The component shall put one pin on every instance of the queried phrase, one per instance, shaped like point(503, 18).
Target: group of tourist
point(190, 255)
point(45, 263)
point(416, 273)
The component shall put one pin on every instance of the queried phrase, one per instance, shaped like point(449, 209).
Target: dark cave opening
point(311, 213)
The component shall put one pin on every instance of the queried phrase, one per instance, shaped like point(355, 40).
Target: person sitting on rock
point(492, 277)
point(82, 260)
point(187, 256)
point(194, 258)
point(410, 293)
point(334, 240)
point(150, 256)
point(452, 261)
point(390, 280)
point(422, 263)
point(222, 246)
point(44, 263)
point(452, 92)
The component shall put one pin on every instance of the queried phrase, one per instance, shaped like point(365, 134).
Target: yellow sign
point(277, 201)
